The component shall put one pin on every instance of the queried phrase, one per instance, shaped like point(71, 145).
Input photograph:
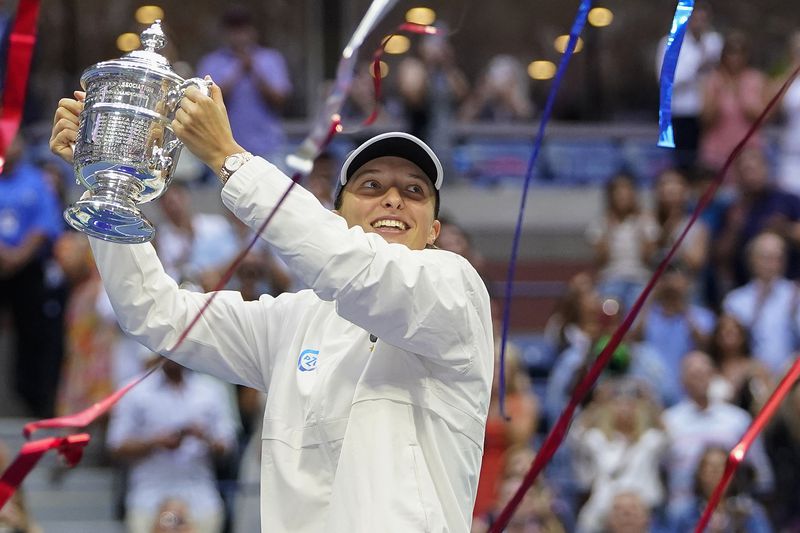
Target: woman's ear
point(436, 227)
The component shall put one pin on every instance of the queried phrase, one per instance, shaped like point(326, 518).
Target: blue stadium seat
point(492, 161)
point(645, 160)
point(581, 162)
point(536, 352)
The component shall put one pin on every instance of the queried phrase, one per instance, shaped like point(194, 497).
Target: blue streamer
point(671, 53)
point(574, 33)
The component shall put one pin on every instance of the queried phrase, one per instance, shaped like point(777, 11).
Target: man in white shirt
point(768, 305)
point(700, 52)
point(699, 421)
point(171, 428)
point(378, 377)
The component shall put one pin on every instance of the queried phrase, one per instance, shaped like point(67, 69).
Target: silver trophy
point(126, 151)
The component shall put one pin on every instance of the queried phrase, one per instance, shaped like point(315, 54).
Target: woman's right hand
point(65, 126)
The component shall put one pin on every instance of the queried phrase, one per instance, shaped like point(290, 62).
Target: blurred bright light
point(128, 42)
point(737, 454)
point(561, 44)
point(421, 15)
point(398, 44)
point(384, 70)
point(542, 70)
point(149, 14)
point(610, 307)
point(600, 17)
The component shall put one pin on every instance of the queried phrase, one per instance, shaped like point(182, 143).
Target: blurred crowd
point(648, 445)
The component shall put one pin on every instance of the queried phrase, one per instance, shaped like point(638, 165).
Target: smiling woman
point(389, 197)
point(390, 186)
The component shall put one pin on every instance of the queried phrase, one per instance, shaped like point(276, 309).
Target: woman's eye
point(371, 184)
point(416, 189)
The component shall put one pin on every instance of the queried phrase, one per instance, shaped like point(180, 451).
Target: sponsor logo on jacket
point(307, 360)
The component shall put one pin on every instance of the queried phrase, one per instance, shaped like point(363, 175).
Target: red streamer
point(556, 436)
point(409, 27)
point(70, 448)
point(18, 65)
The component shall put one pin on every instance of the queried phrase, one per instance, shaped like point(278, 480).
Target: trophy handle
point(162, 157)
point(174, 96)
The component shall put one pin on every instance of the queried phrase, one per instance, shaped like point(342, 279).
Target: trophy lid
point(145, 60)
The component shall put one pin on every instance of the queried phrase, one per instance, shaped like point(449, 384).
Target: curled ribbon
point(325, 128)
point(70, 448)
point(329, 119)
point(575, 31)
point(671, 53)
point(409, 27)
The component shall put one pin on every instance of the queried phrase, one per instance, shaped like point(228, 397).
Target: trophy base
point(109, 221)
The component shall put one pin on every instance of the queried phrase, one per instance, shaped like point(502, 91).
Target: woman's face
point(624, 412)
point(623, 196)
point(711, 469)
point(729, 334)
point(734, 59)
point(671, 190)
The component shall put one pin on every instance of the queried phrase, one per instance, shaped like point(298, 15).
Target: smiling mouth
point(389, 226)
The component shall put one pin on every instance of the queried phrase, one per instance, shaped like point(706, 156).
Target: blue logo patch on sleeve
point(307, 360)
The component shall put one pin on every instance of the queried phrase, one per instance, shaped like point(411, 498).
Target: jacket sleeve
point(430, 302)
point(231, 340)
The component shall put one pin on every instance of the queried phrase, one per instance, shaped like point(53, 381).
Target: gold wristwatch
point(233, 163)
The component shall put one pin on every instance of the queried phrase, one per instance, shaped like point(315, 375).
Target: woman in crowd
point(539, 512)
point(501, 95)
point(522, 407)
point(86, 375)
point(789, 162)
point(733, 97)
point(737, 511)
point(624, 241)
point(743, 381)
point(672, 200)
point(620, 443)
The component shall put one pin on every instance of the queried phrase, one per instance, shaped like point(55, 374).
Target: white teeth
point(389, 224)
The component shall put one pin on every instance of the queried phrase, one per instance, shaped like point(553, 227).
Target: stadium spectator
point(760, 206)
point(255, 81)
point(620, 443)
point(502, 94)
point(170, 429)
point(789, 161)
point(733, 96)
point(743, 380)
point(30, 222)
point(672, 325)
point(700, 421)
point(624, 241)
point(768, 305)
point(736, 511)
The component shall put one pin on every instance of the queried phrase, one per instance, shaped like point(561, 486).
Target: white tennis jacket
point(359, 436)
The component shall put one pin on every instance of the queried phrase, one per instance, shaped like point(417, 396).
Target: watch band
point(233, 163)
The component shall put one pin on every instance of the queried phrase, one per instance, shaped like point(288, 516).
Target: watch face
point(233, 162)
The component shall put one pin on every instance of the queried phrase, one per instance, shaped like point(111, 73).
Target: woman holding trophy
point(378, 377)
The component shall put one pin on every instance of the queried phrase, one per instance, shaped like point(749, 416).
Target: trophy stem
point(117, 188)
point(108, 211)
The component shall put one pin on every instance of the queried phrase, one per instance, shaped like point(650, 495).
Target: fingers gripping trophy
point(126, 151)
